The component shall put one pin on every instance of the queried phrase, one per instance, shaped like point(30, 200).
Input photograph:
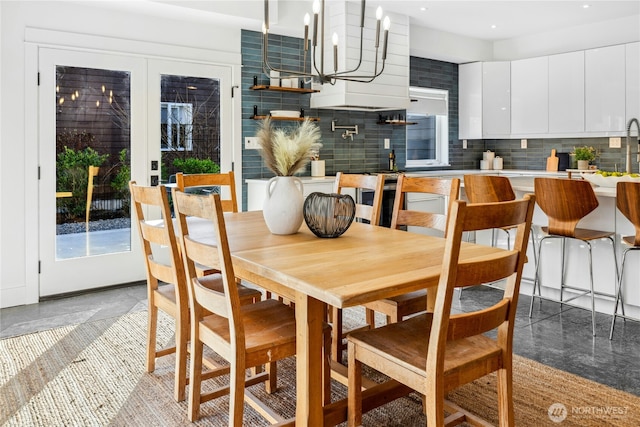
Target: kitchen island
point(606, 217)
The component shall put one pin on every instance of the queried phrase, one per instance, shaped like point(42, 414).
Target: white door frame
point(36, 38)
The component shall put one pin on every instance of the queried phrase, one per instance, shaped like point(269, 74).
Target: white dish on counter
point(285, 113)
point(607, 181)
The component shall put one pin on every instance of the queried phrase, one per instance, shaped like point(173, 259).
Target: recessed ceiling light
point(586, 6)
point(494, 26)
point(422, 9)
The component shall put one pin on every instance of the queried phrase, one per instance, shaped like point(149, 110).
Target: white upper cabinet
point(566, 93)
point(470, 101)
point(496, 99)
point(530, 96)
point(605, 81)
point(633, 81)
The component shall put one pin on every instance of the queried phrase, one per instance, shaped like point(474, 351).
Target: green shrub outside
point(191, 165)
point(72, 173)
point(120, 182)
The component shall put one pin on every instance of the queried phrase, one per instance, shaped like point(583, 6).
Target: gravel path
point(102, 224)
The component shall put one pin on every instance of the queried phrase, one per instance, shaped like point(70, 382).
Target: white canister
point(317, 168)
point(285, 82)
point(497, 163)
point(275, 78)
point(489, 156)
point(484, 164)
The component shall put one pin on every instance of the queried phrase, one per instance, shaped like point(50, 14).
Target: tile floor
point(558, 337)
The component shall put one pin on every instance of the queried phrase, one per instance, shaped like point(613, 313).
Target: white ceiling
point(513, 18)
point(471, 18)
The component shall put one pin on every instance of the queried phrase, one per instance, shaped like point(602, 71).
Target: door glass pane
point(93, 147)
point(189, 125)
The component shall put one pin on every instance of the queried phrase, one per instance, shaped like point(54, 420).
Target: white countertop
point(521, 179)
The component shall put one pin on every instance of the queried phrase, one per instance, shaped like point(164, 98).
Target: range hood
point(389, 91)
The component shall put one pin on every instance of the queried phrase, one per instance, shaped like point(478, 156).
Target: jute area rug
point(93, 375)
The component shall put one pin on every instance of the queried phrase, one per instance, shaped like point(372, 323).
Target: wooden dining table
point(365, 264)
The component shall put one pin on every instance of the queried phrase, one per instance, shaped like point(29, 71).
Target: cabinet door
point(470, 101)
point(496, 99)
point(530, 96)
point(605, 89)
point(633, 81)
point(566, 93)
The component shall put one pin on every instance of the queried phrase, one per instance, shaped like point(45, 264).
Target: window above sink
point(428, 140)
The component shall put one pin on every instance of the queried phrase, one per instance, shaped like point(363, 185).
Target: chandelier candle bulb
point(335, 51)
point(306, 31)
point(378, 19)
point(316, 11)
point(387, 25)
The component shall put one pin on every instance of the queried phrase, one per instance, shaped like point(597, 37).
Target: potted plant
point(584, 155)
point(286, 152)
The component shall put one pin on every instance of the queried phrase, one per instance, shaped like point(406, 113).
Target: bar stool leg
point(593, 297)
point(562, 271)
point(536, 280)
point(619, 296)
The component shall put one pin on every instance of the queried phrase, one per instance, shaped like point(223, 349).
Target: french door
point(102, 121)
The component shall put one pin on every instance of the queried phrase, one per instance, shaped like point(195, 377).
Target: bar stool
point(628, 202)
point(490, 189)
point(566, 202)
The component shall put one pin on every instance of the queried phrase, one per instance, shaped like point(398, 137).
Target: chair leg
point(152, 322)
point(236, 392)
point(271, 385)
point(354, 416)
point(505, 397)
point(618, 295)
point(336, 333)
point(326, 369)
point(182, 333)
point(195, 377)
point(370, 316)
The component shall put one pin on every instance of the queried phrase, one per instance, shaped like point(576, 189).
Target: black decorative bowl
point(329, 215)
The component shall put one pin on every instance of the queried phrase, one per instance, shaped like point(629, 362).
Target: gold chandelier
point(320, 75)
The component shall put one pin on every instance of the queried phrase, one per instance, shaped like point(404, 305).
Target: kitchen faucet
point(628, 164)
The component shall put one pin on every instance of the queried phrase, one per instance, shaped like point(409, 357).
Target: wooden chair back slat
point(467, 325)
point(184, 181)
point(365, 182)
point(565, 202)
point(488, 188)
point(489, 271)
point(449, 188)
point(628, 202)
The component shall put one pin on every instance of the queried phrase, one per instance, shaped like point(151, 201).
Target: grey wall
point(366, 153)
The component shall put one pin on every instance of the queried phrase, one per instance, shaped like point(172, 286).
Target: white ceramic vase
point(282, 208)
point(583, 165)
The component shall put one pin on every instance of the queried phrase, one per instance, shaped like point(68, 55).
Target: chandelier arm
point(361, 79)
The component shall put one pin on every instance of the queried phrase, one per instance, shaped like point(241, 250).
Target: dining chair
point(566, 202)
point(246, 336)
point(489, 189)
point(396, 308)
point(370, 214)
point(204, 182)
point(628, 203)
point(436, 352)
point(166, 278)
